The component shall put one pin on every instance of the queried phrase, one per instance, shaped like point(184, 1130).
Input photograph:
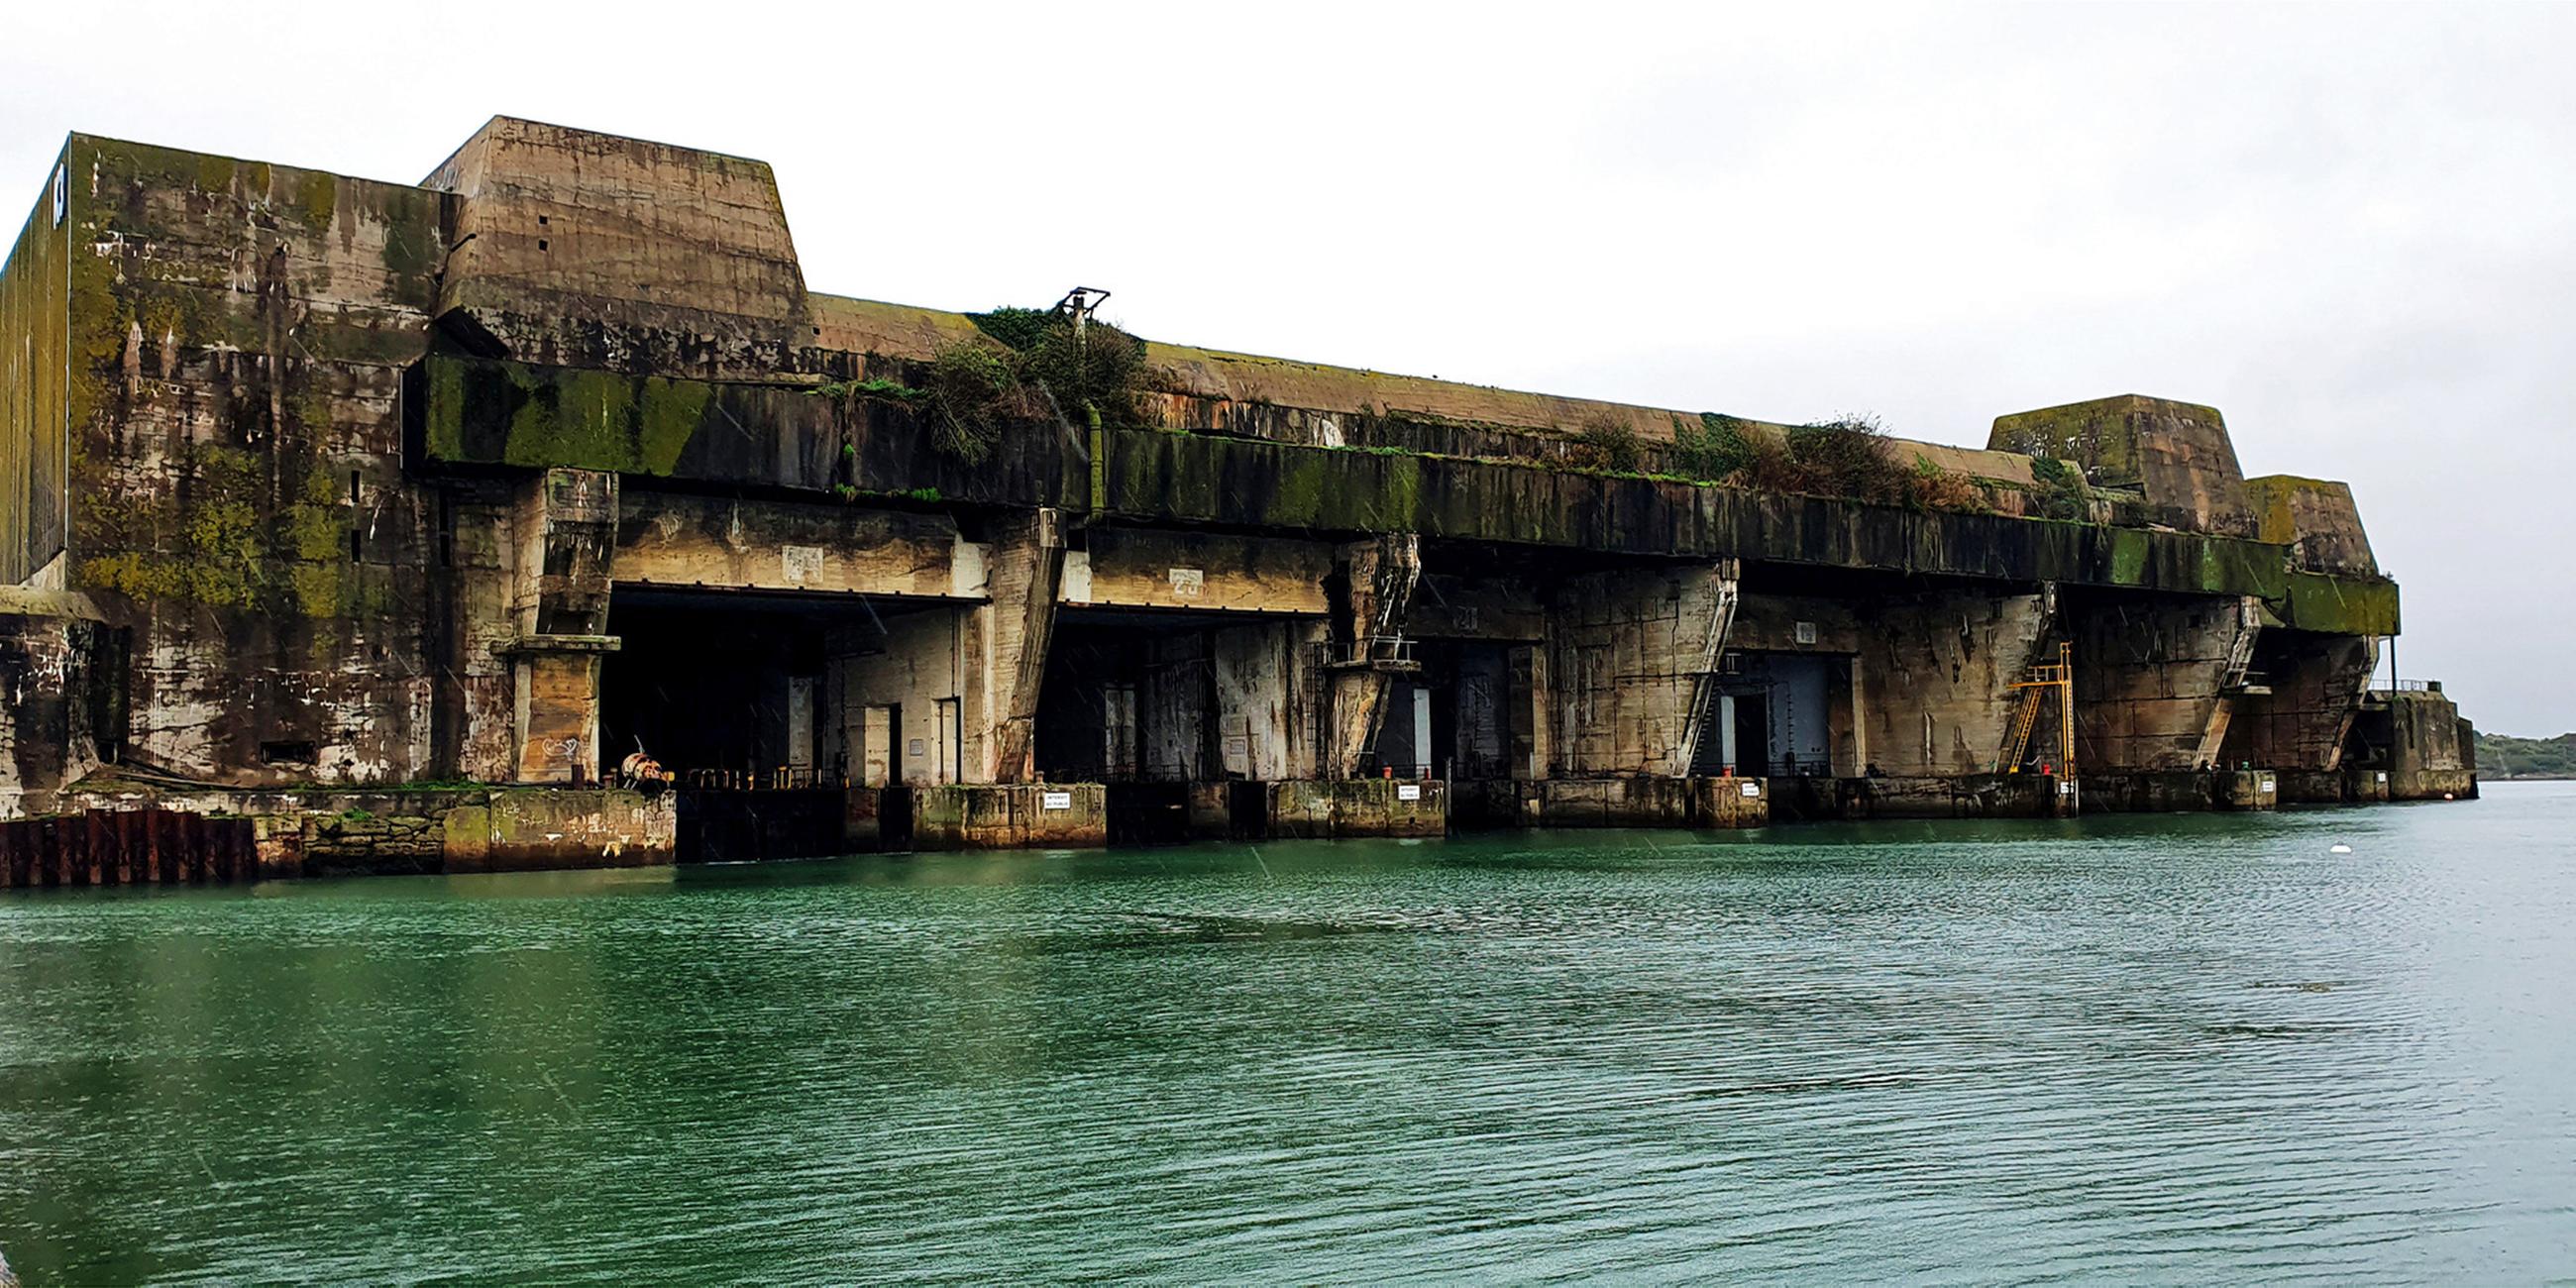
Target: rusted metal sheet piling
point(126, 848)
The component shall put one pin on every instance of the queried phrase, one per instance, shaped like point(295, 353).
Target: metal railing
point(781, 779)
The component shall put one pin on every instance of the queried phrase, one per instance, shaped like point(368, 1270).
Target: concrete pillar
point(1027, 572)
point(1373, 596)
point(1527, 703)
point(565, 527)
point(1701, 634)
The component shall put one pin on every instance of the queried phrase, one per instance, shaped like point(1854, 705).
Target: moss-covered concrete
point(1203, 479)
point(34, 395)
point(848, 444)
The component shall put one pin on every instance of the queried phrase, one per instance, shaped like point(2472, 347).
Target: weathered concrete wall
point(1631, 654)
point(1269, 691)
point(2157, 679)
point(676, 540)
point(62, 695)
point(1634, 801)
point(1933, 676)
point(235, 335)
point(322, 832)
point(35, 395)
point(1199, 571)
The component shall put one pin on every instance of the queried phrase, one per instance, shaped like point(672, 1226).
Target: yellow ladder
point(2036, 692)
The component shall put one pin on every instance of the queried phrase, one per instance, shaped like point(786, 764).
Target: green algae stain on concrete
point(668, 417)
point(510, 413)
point(2341, 605)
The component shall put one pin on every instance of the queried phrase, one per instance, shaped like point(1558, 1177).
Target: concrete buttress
point(1375, 594)
point(1027, 572)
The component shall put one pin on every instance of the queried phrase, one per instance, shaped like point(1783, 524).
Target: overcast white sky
point(2352, 229)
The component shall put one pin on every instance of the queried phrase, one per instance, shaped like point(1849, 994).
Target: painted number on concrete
point(2066, 789)
point(1408, 791)
point(1188, 582)
point(1055, 800)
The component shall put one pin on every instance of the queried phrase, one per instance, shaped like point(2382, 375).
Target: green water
point(2192, 1048)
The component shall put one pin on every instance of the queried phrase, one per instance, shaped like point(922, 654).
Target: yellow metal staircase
point(2049, 684)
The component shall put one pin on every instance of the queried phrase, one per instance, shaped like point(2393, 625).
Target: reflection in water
point(2136, 1048)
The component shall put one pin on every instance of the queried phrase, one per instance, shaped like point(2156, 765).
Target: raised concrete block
point(533, 828)
point(1360, 807)
point(1010, 816)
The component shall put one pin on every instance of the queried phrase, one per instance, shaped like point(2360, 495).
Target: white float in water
point(2339, 848)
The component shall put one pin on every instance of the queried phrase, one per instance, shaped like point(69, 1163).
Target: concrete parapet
point(1009, 816)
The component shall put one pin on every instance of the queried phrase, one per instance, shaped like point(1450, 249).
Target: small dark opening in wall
point(541, 243)
point(286, 753)
point(541, 221)
point(353, 487)
point(357, 550)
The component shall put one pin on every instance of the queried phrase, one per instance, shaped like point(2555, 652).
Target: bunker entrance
point(1776, 714)
point(1450, 720)
point(1171, 711)
point(739, 697)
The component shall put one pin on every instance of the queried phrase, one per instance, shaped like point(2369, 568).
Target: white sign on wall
point(1055, 800)
point(1188, 582)
point(1752, 789)
point(800, 564)
point(1408, 791)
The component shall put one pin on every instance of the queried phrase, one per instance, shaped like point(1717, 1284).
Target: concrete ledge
point(1932, 796)
point(1010, 816)
point(1639, 801)
point(2182, 791)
